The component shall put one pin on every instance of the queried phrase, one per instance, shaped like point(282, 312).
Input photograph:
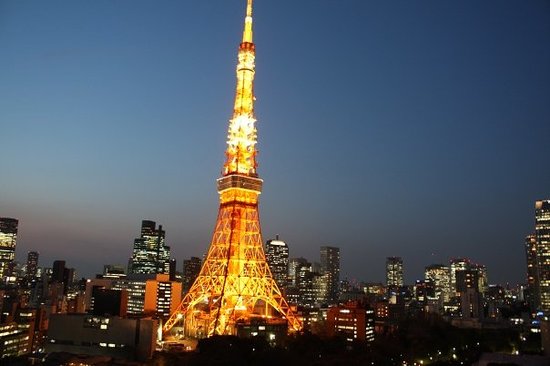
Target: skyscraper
point(191, 269)
point(482, 277)
point(532, 295)
point(150, 254)
point(32, 265)
point(235, 289)
point(330, 266)
point(394, 272)
point(276, 254)
point(293, 264)
point(304, 284)
point(62, 275)
point(320, 289)
point(58, 271)
point(439, 275)
point(542, 236)
point(8, 241)
point(172, 265)
point(467, 285)
point(457, 264)
point(465, 264)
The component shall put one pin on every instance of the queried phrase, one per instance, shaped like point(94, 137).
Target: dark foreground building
point(132, 339)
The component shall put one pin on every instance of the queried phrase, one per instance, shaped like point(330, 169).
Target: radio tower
point(235, 285)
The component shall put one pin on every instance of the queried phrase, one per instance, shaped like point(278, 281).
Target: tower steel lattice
point(235, 284)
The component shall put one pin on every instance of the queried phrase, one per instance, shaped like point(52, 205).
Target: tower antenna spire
point(247, 33)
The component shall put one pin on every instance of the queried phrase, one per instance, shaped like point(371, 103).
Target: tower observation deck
point(235, 286)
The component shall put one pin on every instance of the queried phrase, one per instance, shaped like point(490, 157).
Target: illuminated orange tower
point(235, 285)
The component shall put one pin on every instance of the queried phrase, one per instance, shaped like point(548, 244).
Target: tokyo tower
point(235, 285)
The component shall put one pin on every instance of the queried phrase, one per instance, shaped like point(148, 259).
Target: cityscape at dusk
point(416, 130)
point(396, 153)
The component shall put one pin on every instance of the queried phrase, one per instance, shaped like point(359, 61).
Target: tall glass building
point(330, 266)
point(542, 236)
point(8, 240)
point(440, 276)
point(32, 265)
point(394, 272)
point(531, 293)
point(276, 254)
point(150, 254)
point(191, 270)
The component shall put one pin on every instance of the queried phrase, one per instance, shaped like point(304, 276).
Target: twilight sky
point(387, 128)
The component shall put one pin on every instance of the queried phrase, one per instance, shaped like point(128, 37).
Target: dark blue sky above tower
point(415, 129)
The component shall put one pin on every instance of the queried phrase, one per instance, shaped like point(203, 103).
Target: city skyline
point(127, 269)
point(433, 147)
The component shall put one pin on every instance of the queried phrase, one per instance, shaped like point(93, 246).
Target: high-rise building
point(330, 266)
point(465, 264)
point(14, 340)
point(69, 276)
point(276, 254)
point(293, 264)
point(439, 275)
point(62, 275)
point(320, 288)
point(235, 289)
point(150, 254)
point(467, 285)
point(531, 293)
point(394, 272)
point(58, 271)
point(482, 277)
point(191, 269)
point(8, 241)
point(304, 284)
point(173, 264)
point(351, 321)
point(162, 296)
point(32, 265)
point(466, 279)
point(152, 294)
point(135, 284)
point(307, 286)
point(457, 264)
point(542, 236)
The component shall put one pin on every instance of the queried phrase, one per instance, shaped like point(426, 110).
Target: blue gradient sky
point(392, 128)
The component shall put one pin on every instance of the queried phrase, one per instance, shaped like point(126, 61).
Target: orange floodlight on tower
point(235, 285)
